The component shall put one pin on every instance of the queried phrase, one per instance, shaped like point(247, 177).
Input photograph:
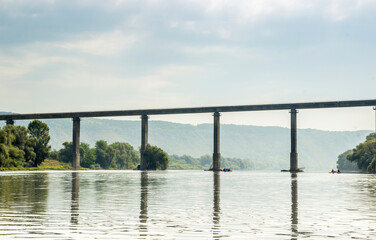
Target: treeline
point(205, 162)
point(103, 156)
point(22, 147)
point(117, 155)
point(361, 158)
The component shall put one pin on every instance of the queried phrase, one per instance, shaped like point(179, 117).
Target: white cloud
point(22, 8)
point(82, 78)
point(243, 11)
point(12, 67)
point(226, 50)
point(104, 44)
point(252, 9)
point(336, 11)
point(147, 60)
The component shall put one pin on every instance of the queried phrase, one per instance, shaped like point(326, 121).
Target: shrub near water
point(156, 158)
point(50, 164)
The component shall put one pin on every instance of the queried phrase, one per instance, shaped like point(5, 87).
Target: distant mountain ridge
point(267, 147)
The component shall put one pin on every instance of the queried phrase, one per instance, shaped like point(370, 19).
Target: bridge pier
point(76, 143)
point(10, 122)
point(144, 140)
point(216, 153)
point(293, 153)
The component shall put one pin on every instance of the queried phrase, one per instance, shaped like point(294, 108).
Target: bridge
point(216, 110)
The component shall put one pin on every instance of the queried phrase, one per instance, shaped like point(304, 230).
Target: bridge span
point(216, 110)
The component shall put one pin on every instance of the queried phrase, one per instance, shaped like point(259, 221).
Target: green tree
point(126, 156)
point(24, 143)
point(156, 158)
point(54, 154)
point(371, 137)
point(4, 152)
point(40, 131)
point(105, 155)
point(66, 153)
point(100, 153)
point(87, 155)
point(16, 147)
point(365, 154)
point(344, 164)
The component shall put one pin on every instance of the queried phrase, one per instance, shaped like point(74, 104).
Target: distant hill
point(266, 147)
point(7, 113)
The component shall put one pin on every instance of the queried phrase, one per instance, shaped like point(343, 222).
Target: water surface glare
point(186, 205)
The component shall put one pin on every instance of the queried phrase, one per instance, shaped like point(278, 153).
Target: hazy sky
point(58, 56)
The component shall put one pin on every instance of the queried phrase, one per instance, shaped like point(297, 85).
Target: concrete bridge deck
point(239, 108)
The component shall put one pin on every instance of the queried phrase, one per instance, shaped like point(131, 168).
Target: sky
point(92, 55)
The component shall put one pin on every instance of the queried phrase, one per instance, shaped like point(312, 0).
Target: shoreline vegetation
point(28, 148)
point(266, 147)
point(361, 159)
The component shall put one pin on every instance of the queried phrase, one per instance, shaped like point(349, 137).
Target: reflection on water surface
point(186, 205)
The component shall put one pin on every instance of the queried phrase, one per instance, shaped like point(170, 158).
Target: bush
point(156, 158)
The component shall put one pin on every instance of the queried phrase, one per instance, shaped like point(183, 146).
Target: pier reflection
point(294, 206)
point(75, 198)
point(144, 203)
point(216, 204)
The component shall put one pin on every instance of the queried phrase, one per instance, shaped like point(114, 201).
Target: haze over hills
point(266, 147)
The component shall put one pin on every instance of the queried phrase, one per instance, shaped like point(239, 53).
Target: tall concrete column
point(76, 143)
point(10, 122)
point(216, 153)
point(144, 140)
point(293, 153)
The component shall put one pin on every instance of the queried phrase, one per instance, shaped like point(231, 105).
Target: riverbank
point(47, 164)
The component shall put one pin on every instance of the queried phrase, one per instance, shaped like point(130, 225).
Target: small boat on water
point(226, 170)
point(297, 170)
point(221, 170)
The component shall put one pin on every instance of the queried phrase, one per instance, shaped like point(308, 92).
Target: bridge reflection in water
point(143, 227)
point(143, 216)
point(294, 206)
point(216, 204)
point(75, 203)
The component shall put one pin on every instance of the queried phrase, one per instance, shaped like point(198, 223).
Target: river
point(186, 205)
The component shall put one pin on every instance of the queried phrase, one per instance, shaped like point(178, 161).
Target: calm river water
point(186, 205)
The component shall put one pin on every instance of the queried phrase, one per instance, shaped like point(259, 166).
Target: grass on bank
point(50, 164)
point(47, 164)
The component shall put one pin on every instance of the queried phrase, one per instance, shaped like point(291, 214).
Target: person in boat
point(333, 171)
point(338, 171)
